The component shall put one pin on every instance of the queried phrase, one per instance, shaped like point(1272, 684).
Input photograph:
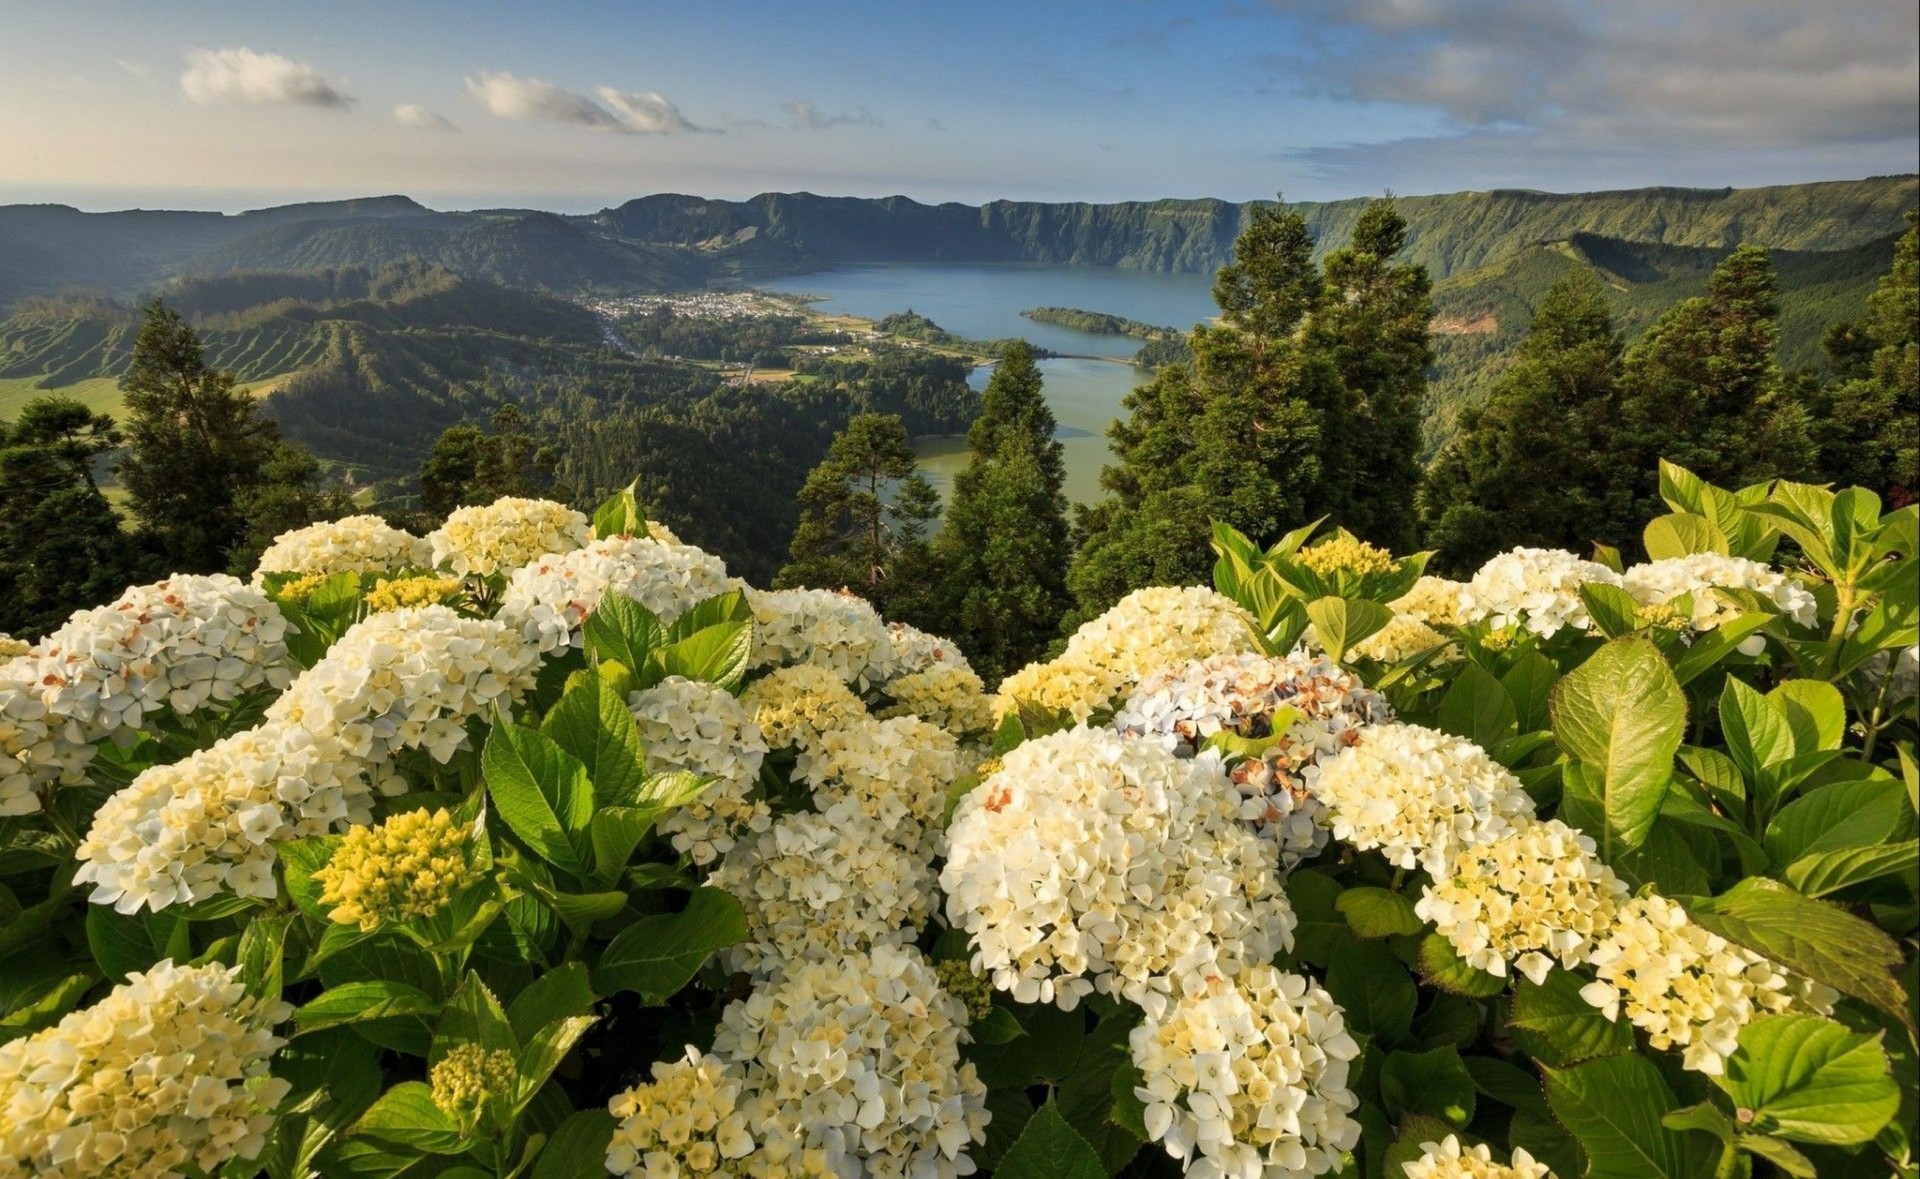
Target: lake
point(985, 302)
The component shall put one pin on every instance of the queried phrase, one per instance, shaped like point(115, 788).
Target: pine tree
point(1533, 465)
point(1002, 578)
point(1372, 327)
point(62, 547)
point(197, 446)
point(469, 465)
point(1865, 422)
point(1703, 388)
point(864, 516)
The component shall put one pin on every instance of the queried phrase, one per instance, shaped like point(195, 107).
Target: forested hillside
point(670, 241)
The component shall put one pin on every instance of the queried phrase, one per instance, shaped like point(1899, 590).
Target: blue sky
point(573, 106)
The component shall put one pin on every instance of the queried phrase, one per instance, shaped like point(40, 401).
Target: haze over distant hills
point(674, 241)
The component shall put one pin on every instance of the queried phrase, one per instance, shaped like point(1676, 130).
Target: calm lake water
point(985, 302)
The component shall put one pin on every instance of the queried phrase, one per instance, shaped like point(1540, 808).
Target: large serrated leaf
point(1049, 1148)
point(1811, 1080)
point(1622, 714)
point(541, 792)
point(656, 956)
point(1613, 1106)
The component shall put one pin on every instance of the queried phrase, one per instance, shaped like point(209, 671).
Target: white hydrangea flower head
point(662, 533)
point(208, 825)
point(1435, 601)
point(547, 600)
point(859, 1058)
point(1250, 1072)
point(948, 695)
point(354, 544)
point(794, 706)
point(407, 679)
point(1449, 1159)
point(1095, 862)
point(1401, 638)
point(1152, 628)
point(821, 886)
point(1534, 896)
point(1686, 987)
point(697, 727)
point(827, 628)
point(504, 535)
point(1697, 575)
point(896, 772)
point(1419, 795)
point(1180, 707)
point(168, 1072)
point(1535, 588)
point(687, 1121)
point(914, 650)
point(1072, 686)
point(184, 644)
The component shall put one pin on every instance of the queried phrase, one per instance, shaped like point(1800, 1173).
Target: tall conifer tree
point(864, 517)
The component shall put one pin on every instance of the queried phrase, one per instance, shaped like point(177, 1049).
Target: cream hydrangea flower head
point(547, 600)
point(168, 1072)
point(700, 728)
point(826, 628)
point(948, 695)
point(1697, 575)
point(1434, 601)
point(794, 706)
point(859, 1058)
point(689, 1120)
point(355, 544)
point(896, 772)
point(1072, 686)
point(12, 648)
point(183, 644)
point(1180, 707)
point(914, 650)
point(1535, 588)
point(1162, 625)
point(1448, 1159)
point(208, 824)
point(1688, 988)
point(1250, 1072)
point(1533, 896)
point(1096, 862)
point(408, 868)
point(1419, 795)
point(820, 886)
point(1402, 638)
point(1342, 553)
point(401, 593)
point(407, 679)
point(506, 534)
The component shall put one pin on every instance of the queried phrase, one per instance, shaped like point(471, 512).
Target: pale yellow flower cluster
point(1181, 706)
point(1434, 601)
point(407, 868)
point(1419, 795)
point(355, 544)
point(548, 599)
point(1095, 862)
point(182, 645)
point(821, 885)
point(1250, 1072)
point(975, 993)
point(1448, 1159)
point(401, 593)
point(794, 705)
point(1342, 553)
point(504, 535)
point(700, 728)
point(859, 1058)
point(1686, 987)
point(1075, 688)
point(833, 629)
point(1402, 638)
point(12, 648)
point(468, 1075)
point(408, 679)
point(1535, 588)
point(946, 695)
point(165, 1076)
point(895, 772)
point(685, 1123)
point(1533, 896)
point(1696, 576)
point(914, 650)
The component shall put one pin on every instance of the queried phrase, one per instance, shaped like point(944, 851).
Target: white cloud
point(808, 117)
point(258, 79)
point(631, 112)
point(138, 69)
point(409, 114)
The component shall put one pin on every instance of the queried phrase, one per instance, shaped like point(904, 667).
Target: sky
point(575, 106)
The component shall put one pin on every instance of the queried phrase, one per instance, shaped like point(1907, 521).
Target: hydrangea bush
point(541, 848)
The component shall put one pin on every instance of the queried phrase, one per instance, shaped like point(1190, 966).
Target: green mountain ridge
point(675, 241)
